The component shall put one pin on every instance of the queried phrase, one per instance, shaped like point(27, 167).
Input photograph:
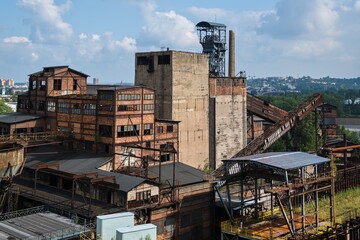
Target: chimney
point(231, 54)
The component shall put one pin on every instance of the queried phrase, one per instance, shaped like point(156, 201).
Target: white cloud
point(299, 18)
point(168, 28)
point(82, 36)
point(95, 37)
point(16, 39)
point(89, 48)
point(46, 21)
point(208, 13)
point(357, 5)
point(127, 43)
point(34, 56)
point(309, 48)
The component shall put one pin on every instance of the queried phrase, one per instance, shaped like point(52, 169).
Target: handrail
point(32, 137)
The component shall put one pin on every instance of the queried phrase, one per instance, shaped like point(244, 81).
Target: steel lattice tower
point(212, 37)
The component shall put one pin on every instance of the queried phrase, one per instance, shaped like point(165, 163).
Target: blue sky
point(314, 38)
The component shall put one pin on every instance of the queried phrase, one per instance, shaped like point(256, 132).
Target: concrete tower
point(182, 93)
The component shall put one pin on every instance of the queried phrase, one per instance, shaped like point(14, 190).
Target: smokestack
point(231, 54)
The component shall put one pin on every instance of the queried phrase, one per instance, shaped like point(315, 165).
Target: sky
point(315, 38)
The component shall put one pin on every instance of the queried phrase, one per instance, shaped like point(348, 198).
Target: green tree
point(4, 108)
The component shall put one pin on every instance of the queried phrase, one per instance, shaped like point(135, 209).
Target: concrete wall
point(182, 95)
point(230, 131)
point(228, 115)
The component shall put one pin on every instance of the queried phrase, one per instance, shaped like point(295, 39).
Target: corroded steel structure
point(212, 37)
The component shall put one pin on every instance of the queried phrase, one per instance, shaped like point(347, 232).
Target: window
point(143, 60)
point(163, 59)
point(128, 130)
point(165, 157)
point(75, 84)
point(148, 107)
point(33, 84)
point(42, 86)
point(106, 95)
point(63, 107)
point(160, 129)
point(41, 106)
point(135, 107)
point(169, 128)
point(143, 195)
point(63, 129)
point(185, 220)
point(106, 108)
point(89, 109)
point(129, 97)
point(75, 108)
point(51, 106)
point(148, 144)
point(148, 96)
point(57, 84)
point(105, 131)
point(148, 128)
point(20, 104)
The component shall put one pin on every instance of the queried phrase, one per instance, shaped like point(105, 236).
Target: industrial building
point(193, 89)
point(115, 155)
point(142, 148)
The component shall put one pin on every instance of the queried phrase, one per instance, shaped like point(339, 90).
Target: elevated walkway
point(29, 139)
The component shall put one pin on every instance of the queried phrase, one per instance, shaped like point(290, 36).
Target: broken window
point(57, 84)
point(135, 107)
point(163, 59)
point(63, 107)
point(143, 60)
point(105, 130)
point(75, 108)
point(41, 106)
point(89, 109)
point(75, 84)
point(169, 128)
point(148, 128)
point(128, 130)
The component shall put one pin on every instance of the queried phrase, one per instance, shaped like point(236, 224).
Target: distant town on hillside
point(284, 85)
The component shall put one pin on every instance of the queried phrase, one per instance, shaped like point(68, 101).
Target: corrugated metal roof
point(79, 162)
point(209, 24)
point(43, 225)
point(283, 160)
point(184, 174)
point(17, 117)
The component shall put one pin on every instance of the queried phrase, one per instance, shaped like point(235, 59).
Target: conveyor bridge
point(273, 133)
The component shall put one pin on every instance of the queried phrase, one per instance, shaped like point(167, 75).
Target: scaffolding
point(275, 194)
